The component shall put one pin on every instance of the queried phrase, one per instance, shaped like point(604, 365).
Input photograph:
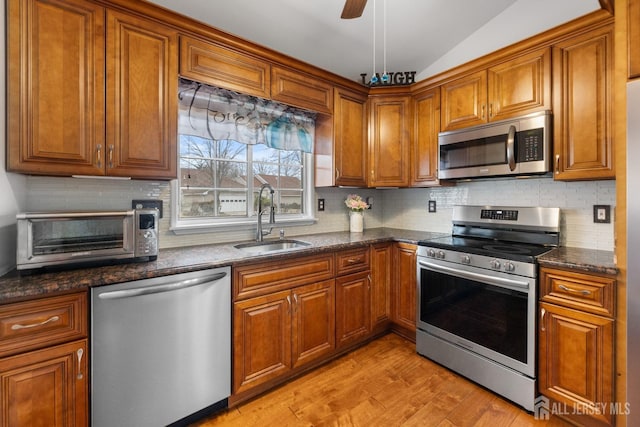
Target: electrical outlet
point(320, 205)
point(602, 214)
point(148, 204)
point(432, 206)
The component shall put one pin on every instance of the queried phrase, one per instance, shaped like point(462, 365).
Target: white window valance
point(220, 114)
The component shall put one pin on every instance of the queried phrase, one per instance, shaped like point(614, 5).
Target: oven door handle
point(496, 281)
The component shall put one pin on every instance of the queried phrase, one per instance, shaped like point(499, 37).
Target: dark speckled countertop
point(585, 260)
point(15, 286)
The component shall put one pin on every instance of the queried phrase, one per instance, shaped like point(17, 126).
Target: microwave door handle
point(511, 152)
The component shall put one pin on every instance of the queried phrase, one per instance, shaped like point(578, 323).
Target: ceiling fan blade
point(353, 9)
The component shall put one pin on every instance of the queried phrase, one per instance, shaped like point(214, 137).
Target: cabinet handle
point(557, 164)
point(353, 261)
point(295, 298)
point(337, 173)
point(99, 155)
point(111, 156)
point(18, 326)
point(577, 291)
point(80, 353)
point(490, 110)
point(542, 313)
point(369, 277)
point(482, 115)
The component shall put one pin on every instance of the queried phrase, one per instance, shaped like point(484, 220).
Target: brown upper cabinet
point(57, 91)
point(301, 90)
point(390, 122)
point(519, 86)
point(582, 110)
point(350, 138)
point(424, 144)
point(55, 87)
point(222, 67)
point(633, 43)
point(142, 102)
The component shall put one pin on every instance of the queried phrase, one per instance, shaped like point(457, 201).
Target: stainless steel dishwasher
point(160, 348)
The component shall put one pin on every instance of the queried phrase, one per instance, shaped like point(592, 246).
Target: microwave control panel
point(530, 145)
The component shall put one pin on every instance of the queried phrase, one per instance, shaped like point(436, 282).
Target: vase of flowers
point(356, 207)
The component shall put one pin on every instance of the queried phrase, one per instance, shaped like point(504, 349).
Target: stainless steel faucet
point(272, 214)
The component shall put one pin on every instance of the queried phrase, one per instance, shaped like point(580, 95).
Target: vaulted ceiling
point(426, 36)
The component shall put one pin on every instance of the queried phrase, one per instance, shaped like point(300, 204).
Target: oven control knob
point(509, 266)
point(431, 253)
point(440, 254)
point(495, 264)
point(465, 259)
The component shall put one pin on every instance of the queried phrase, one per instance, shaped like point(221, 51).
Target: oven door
point(486, 312)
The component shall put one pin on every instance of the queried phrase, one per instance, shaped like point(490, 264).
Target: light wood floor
point(384, 383)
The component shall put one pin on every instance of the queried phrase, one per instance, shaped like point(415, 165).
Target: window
point(226, 156)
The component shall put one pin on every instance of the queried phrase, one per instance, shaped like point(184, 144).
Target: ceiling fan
point(353, 9)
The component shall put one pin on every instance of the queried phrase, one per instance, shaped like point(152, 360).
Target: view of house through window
point(229, 147)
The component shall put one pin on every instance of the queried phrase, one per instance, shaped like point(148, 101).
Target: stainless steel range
point(477, 293)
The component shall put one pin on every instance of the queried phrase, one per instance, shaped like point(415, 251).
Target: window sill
point(195, 228)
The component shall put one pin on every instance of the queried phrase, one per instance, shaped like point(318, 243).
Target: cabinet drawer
point(585, 292)
point(261, 278)
point(39, 323)
point(352, 261)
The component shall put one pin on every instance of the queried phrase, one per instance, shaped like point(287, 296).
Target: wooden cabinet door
point(464, 101)
point(633, 37)
point(424, 149)
point(45, 387)
point(261, 339)
point(142, 98)
point(353, 304)
point(389, 142)
point(222, 67)
point(55, 87)
point(350, 138)
point(520, 86)
point(314, 330)
point(404, 305)
point(576, 360)
point(582, 110)
point(301, 90)
point(381, 276)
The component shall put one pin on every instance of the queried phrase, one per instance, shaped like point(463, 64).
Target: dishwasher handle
point(129, 293)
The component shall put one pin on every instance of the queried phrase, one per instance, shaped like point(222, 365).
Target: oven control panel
point(466, 260)
point(500, 214)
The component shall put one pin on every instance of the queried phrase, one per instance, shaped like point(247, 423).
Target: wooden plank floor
point(384, 383)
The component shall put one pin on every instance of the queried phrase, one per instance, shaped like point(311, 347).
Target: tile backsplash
point(396, 208)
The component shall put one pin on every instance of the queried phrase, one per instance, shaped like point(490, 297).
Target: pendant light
point(375, 79)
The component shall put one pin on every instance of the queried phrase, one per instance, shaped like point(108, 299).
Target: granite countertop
point(585, 260)
point(16, 286)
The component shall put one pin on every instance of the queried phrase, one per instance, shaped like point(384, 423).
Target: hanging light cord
point(373, 70)
point(384, 41)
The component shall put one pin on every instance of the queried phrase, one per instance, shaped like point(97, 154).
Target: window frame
point(210, 224)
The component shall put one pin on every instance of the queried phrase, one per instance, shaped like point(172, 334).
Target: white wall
point(509, 27)
point(12, 186)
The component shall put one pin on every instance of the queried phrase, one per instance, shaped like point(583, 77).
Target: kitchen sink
point(271, 246)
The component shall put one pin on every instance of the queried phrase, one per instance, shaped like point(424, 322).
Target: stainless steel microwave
point(58, 238)
point(519, 146)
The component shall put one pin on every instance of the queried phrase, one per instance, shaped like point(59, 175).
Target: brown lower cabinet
point(404, 291)
point(293, 314)
point(277, 332)
point(43, 362)
point(576, 345)
point(45, 387)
